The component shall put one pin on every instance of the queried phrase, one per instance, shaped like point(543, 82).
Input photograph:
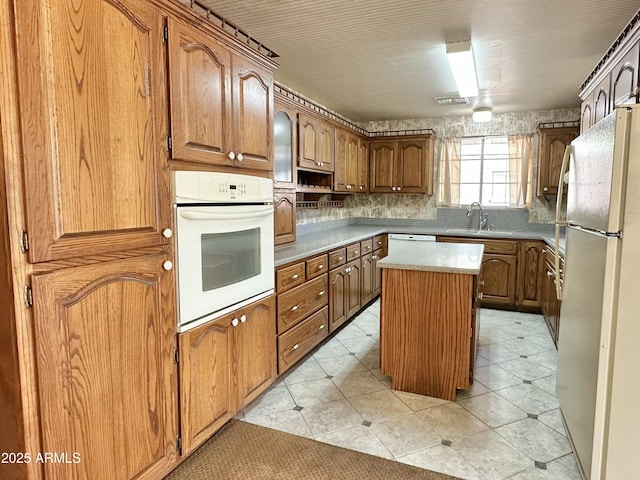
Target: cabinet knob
point(320, 267)
point(295, 347)
point(545, 189)
point(481, 282)
point(321, 327)
point(295, 277)
point(168, 265)
point(243, 318)
point(167, 233)
point(235, 322)
point(321, 293)
point(398, 188)
point(231, 155)
point(239, 157)
point(379, 243)
point(294, 308)
point(356, 252)
point(549, 274)
point(339, 258)
point(393, 188)
point(361, 187)
point(374, 257)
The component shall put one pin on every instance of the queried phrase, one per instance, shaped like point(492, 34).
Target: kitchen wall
point(422, 207)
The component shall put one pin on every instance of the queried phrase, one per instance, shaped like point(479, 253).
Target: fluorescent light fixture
point(481, 114)
point(460, 56)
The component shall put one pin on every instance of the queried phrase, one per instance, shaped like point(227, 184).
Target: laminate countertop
point(463, 258)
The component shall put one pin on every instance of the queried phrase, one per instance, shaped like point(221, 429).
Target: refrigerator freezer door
point(579, 345)
point(596, 174)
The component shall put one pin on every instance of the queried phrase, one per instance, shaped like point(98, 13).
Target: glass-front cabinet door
point(285, 143)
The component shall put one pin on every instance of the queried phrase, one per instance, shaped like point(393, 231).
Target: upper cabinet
point(402, 166)
point(93, 111)
point(221, 104)
point(624, 78)
point(316, 140)
point(285, 141)
point(346, 162)
point(552, 144)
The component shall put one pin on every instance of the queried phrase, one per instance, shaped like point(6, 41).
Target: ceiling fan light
point(482, 114)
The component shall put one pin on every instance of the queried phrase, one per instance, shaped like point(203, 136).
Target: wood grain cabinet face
point(99, 331)
point(382, 165)
point(367, 278)
point(300, 340)
point(309, 138)
point(602, 99)
point(296, 304)
point(403, 166)
point(337, 297)
point(363, 165)
point(552, 144)
point(624, 78)
point(284, 216)
point(586, 113)
point(530, 273)
point(346, 162)
point(411, 169)
point(97, 179)
point(285, 141)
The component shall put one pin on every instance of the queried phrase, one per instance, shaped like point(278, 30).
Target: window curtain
point(449, 172)
point(520, 169)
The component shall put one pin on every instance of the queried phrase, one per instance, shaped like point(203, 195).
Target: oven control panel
point(215, 187)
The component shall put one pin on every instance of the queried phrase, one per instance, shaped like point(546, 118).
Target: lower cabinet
point(224, 364)
point(367, 281)
point(530, 273)
point(354, 274)
point(107, 384)
point(549, 300)
point(284, 207)
point(337, 297)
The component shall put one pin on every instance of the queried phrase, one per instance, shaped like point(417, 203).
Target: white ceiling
point(385, 59)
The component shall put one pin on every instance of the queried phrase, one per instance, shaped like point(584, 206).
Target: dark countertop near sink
point(314, 243)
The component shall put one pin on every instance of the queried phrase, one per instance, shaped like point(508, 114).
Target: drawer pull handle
point(320, 267)
point(320, 293)
point(294, 308)
point(356, 252)
point(295, 277)
point(295, 347)
point(321, 327)
point(379, 243)
point(339, 258)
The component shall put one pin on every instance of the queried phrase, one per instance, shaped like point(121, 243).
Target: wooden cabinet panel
point(354, 274)
point(366, 246)
point(252, 115)
point(377, 272)
point(586, 113)
point(99, 331)
point(402, 166)
point(504, 247)
point(381, 166)
point(326, 146)
point(97, 177)
point(300, 340)
point(550, 304)
point(309, 138)
point(411, 170)
point(380, 242)
point(256, 350)
point(200, 94)
point(530, 273)
point(552, 144)
point(352, 163)
point(284, 216)
point(498, 279)
point(285, 146)
point(363, 165)
point(353, 251)
point(602, 99)
point(207, 396)
point(316, 266)
point(337, 258)
point(289, 277)
point(624, 78)
point(367, 278)
point(337, 297)
point(298, 303)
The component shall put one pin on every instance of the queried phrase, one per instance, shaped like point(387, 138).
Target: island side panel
point(425, 330)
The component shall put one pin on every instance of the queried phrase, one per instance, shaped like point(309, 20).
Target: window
point(493, 170)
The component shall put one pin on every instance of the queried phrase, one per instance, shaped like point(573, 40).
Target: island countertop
point(437, 257)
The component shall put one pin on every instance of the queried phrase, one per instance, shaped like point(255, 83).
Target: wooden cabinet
point(285, 146)
point(337, 297)
point(363, 165)
point(298, 303)
point(316, 266)
point(221, 103)
point(224, 365)
point(367, 280)
point(99, 331)
point(402, 166)
point(530, 273)
point(284, 216)
point(346, 162)
point(316, 143)
point(549, 301)
point(552, 144)
point(586, 113)
point(602, 99)
point(624, 78)
point(97, 179)
point(301, 339)
point(354, 274)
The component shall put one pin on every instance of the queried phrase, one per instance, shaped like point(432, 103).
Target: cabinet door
point(337, 297)
point(530, 273)
point(200, 94)
point(284, 228)
point(309, 138)
point(553, 142)
point(624, 78)
point(586, 113)
point(285, 146)
point(93, 110)
point(601, 99)
point(382, 165)
point(363, 165)
point(252, 115)
point(352, 163)
point(353, 287)
point(412, 166)
point(106, 379)
point(498, 279)
point(326, 152)
point(367, 280)
point(207, 398)
point(256, 346)
point(340, 168)
point(377, 273)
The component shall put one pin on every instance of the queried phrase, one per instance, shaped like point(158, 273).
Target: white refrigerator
point(598, 377)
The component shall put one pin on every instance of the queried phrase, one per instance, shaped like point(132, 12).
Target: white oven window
point(229, 258)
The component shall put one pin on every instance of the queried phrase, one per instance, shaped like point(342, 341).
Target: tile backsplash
point(422, 207)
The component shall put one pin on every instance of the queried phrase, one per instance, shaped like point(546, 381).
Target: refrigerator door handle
point(559, 222)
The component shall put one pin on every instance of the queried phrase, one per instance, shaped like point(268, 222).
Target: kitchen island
point(428, 317)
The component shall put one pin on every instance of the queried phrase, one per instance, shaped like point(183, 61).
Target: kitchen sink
point(489, 233)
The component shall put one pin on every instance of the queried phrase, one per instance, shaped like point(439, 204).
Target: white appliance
point(224, 243)
point(397, 241)
point(598, 351)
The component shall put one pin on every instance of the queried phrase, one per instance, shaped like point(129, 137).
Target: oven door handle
point(191, 215)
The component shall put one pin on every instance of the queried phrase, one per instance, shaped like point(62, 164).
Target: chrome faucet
point(482, 218)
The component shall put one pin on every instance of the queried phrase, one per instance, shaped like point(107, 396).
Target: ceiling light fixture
point(482, 114)
point(460, 56)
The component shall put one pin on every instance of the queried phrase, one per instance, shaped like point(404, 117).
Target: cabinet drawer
point(353, 251)
point(366, 246)
point(378, 242)
point(502, 247)
point(296, 304)
point(300, 340)
point(316, 266)
point(289, 277)
point(337, 258)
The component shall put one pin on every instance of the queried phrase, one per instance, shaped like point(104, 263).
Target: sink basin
point(467, 231)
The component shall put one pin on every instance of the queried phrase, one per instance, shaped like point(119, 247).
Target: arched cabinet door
point(498, 278)
point(107, 383)
point(93, 110)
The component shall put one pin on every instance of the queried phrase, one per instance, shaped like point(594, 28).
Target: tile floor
point(506, 426)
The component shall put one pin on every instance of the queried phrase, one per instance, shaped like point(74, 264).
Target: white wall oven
point(224, 242)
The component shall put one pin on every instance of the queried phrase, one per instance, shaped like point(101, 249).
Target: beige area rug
point(242, 450)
